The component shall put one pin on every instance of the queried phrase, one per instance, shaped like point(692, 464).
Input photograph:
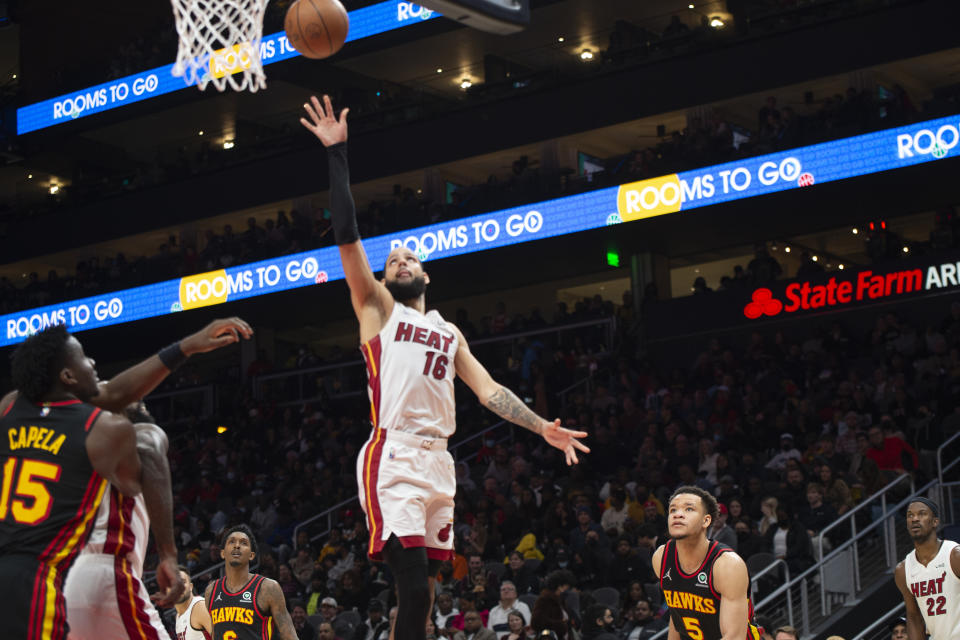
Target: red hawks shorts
point(406, 486)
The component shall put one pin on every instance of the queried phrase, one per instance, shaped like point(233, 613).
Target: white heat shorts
point(406, 486)
point(105, 601)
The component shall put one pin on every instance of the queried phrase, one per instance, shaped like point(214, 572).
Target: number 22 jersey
point(937, 590)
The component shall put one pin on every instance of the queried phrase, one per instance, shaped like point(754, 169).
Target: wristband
point(172, 356)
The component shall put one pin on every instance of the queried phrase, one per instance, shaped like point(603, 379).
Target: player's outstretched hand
point(323, 124)
point(565, 440)
point(170, 583)
point(218, 333)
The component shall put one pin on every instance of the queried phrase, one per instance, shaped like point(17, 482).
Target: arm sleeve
point(343, 215)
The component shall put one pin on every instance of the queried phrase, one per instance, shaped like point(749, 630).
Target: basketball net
point(220, 43)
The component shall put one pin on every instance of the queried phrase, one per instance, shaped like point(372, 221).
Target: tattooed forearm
point(508, 406)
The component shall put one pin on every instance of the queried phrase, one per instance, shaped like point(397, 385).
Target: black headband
point(930, 504)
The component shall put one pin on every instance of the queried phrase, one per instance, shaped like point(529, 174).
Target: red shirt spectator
point(888, 452)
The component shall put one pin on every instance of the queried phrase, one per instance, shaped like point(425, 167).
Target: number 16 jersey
point(410, 371)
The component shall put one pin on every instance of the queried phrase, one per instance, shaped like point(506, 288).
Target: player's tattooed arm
point(271, 601)
point(508, 406)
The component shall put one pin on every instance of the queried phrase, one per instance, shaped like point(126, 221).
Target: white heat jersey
point(122, 528)
point(410, 374)
point(937, 590)
point(183, 628)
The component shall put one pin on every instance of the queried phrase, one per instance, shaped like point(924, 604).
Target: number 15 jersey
point(410, 371)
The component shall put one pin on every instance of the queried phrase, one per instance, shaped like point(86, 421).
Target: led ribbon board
point(803, 167)
point(368, 21)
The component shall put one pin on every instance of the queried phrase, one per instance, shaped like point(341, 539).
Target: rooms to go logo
point(410, 10)
point(928, 142)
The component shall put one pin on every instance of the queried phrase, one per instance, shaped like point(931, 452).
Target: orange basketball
point(316, 28)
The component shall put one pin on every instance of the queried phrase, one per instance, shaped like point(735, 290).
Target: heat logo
point(444, 533)
point(763, 304)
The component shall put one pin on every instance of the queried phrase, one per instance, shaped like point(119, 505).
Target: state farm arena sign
point(847, 289)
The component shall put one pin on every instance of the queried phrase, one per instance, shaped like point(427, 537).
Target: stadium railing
point(880, 628)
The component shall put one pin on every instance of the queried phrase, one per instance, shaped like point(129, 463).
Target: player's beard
point(404, 291)
point(185, 597)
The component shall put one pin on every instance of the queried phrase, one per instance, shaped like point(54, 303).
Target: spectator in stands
point(291, 587)
point(749, 541)
point(836, 491)
point(522, 576)
point(549, 611)
point(794, 490)
point(764, 268)
point(898, 629)
point(721, 531)
point(473, 628)
point(329, 609)
point(317, 590)
point(376, 626)
point(640, 623)
point(598, 623)
point(302, 565)
point(778, 462)
point(627, 566)
point(654, 519)
point(817, 514)
point(518, 629)
point(497, 620)
point(446, 612)
point(615, 516)
point(584, 526)
point(479, 582)
point(888, 450)
point(789, 541)
point(468, 607)
point(325, 631)
point(298, 614)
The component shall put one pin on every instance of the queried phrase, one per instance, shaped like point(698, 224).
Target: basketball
point(316, 28)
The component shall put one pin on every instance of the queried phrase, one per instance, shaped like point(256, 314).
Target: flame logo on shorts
point(444, 533)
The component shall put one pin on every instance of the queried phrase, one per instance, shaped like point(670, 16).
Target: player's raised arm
point(371, 301)
point(135, 383)
point(112, 449)
point(732, 581)
point(508, 406)
point(916, 627)
point(271, 601)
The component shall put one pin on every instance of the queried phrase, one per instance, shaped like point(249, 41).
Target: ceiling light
point(221, 430)
point(840, 266)
point(200, 133)
point(689, 6)
point(787, 249)
point(439, 69)
point(815, 258)
point(228, 144)
point(29, 176)
point(906, 249)
point(855, 231)
point(716, 22)
point(560, 39)
point(586, 55)
point(54, 189)
point(14, 76)
point(466, 83)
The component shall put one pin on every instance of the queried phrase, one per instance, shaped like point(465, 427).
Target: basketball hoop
point(220, 43)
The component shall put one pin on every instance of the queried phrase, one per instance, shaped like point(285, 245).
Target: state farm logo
point(763, 304)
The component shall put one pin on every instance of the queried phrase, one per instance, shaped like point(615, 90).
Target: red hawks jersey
point(410, 374)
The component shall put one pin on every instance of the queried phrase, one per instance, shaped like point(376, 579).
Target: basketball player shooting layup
point(405, 473)
point(705, 584)
point(241, 603)
point(929, 577)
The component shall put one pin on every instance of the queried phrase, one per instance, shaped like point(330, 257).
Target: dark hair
point(709, 502)
point(594, 611)
point(244, 529)
point(296, 602)
point(36, 363)
point(555, 579)
point(518, 613)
